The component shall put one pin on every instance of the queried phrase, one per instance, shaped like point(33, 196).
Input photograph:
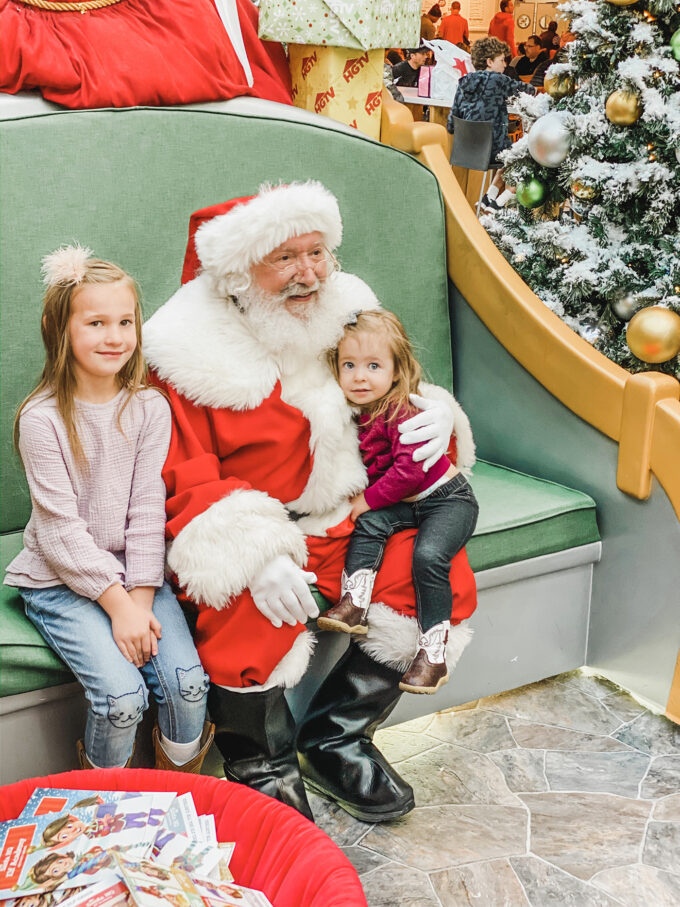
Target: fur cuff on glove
point(221, 551)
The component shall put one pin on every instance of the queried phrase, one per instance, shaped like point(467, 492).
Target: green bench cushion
point(520, 518)
point(26, 661)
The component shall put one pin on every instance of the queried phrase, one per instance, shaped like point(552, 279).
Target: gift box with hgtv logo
point(339, 82)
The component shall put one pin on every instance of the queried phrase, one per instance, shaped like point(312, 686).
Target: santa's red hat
point(231, 237)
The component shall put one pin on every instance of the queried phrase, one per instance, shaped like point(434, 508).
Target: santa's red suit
point(263, 460)
point(134, 53)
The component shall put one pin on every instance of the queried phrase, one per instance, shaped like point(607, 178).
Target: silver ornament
point(549, 139)
point(625, 306)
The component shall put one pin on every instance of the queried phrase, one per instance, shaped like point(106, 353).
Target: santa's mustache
point(300, 289)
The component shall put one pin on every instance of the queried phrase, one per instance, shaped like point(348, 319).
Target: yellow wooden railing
point(640, 412)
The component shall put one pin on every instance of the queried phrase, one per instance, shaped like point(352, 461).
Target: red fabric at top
point(277, 850)
point(136, 53)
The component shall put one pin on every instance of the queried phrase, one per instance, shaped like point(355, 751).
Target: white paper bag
point(452, 64)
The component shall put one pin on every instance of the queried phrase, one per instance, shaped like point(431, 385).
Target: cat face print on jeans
point(193, 683)
point(126, 710)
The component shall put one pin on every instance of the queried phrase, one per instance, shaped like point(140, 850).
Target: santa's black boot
point(337, 756)
point(255, 733)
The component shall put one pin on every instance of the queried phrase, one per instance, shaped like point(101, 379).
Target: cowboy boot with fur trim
point(428, 670)
point(350, 615)
point(255, 733)
point(194, 765)
point(335, 742)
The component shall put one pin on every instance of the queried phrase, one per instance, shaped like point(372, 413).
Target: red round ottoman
point(277, 850)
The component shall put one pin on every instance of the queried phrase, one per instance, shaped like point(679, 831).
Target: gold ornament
point(559, 86)
point(580, 190)
point(653, 334)
point(623, 107)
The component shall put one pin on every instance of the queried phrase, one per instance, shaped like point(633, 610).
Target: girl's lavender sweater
point(392, 473)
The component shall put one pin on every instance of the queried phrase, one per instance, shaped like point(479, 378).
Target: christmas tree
point(596, 229)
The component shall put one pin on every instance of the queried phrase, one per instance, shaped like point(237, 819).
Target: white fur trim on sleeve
point(221, 551)
point(232, 242)
point(392, 638)
point(465, 444)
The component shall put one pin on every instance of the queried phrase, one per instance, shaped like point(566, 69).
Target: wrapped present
point(340, 83)
point(360, 24)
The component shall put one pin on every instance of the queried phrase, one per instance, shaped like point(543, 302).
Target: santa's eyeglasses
point(289, 263)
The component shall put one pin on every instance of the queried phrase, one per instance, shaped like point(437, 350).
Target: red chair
point(277, 850)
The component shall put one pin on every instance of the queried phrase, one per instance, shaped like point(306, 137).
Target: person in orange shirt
point(454, 27)
point(502, 26)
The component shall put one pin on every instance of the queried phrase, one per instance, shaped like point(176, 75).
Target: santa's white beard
point(314, 327)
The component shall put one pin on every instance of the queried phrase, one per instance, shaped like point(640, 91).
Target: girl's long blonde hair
point(66, 271)
point(407, 370)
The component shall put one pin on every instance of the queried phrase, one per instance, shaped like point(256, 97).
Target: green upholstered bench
point(127, 192)
point(521, 517)
point(26, 661)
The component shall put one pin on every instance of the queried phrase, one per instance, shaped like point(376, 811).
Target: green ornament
point(532, 194)
point(675, 44)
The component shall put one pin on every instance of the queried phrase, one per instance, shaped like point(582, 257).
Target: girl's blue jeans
point(445, 521)
point(79, 631)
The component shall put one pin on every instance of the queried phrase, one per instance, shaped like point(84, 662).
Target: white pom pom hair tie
point(66, 265)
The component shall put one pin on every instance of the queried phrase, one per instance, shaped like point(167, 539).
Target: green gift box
point(359, 24)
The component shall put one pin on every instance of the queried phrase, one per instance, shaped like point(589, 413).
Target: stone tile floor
point(564, 792)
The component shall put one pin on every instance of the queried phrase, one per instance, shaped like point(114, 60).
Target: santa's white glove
point(281, 592)
point(434, 425)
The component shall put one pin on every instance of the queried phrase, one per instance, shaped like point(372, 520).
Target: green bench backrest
point(125, 182)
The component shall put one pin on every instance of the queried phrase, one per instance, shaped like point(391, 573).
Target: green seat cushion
point(26, 661)
point(522, 517)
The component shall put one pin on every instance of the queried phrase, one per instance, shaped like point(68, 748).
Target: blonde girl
point(93, 437)
point(375, 367)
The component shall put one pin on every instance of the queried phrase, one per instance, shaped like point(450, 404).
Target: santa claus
point(262, 463)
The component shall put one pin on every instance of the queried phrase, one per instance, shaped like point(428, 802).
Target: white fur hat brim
point(232, 242)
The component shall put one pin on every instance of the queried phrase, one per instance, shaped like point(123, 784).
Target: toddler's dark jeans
point(445, 520)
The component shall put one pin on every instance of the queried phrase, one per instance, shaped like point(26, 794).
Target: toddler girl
point(93, 437)
point(375, 367)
